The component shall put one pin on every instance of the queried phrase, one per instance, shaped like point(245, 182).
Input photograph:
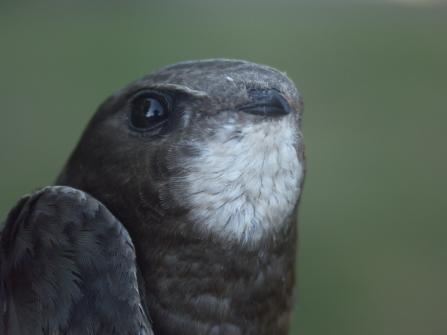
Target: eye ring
point(148, 111)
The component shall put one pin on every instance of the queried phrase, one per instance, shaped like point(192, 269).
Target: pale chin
point(243, 188)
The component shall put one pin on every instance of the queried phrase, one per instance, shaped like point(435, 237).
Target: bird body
point(199, 167)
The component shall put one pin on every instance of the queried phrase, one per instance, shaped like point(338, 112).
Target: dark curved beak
point(266, 103)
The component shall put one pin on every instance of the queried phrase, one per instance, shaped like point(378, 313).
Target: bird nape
point(175, 214)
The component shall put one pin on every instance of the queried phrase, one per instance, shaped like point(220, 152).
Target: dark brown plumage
point(202, 163)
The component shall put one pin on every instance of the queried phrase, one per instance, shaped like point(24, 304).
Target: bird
point(176, 213)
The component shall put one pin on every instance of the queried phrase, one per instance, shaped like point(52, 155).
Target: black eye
point(149, 111)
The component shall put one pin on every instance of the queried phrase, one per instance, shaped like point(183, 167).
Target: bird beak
point(266, 103)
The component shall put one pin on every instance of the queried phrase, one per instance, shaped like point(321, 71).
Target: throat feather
point(244, 187)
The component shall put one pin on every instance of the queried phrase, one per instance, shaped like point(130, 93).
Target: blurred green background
point(373, 223)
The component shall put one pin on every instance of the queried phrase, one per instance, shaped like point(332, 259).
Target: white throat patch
point(244, 187)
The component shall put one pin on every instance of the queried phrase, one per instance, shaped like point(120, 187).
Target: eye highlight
point(148, 111)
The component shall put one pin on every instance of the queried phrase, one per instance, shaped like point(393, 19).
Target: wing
point(68, 266)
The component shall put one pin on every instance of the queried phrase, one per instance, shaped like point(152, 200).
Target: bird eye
point(149, 111)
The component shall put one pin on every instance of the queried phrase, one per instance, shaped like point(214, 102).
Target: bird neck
point(206, 286)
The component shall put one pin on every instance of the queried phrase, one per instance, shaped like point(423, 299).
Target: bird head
point(215, 144)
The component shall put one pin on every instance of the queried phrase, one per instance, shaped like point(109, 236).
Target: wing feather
point(68, 266)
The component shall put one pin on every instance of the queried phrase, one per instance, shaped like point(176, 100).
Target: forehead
point(217, 77)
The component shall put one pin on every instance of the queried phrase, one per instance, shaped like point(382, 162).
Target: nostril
point(266, 102)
